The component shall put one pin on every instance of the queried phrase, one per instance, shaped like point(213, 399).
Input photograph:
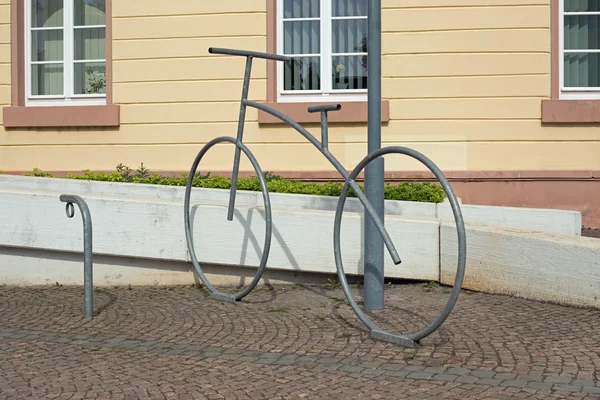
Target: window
point(65, 52)
point(328, 39)
point(61, 57)
point(580, 49)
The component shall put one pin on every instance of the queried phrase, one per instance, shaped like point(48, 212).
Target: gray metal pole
point(88, 291)
point(373, 245)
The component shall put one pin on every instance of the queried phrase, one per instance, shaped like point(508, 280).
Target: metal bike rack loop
point(88, 292)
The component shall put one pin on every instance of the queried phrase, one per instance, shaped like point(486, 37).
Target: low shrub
point(404, 191)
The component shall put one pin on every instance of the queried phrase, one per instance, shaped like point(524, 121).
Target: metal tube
point(336, 164)
point(324, 133)
point(240, 135)
point(246, 53)
point(373, 245)
point(323, 109)
point(88, 293)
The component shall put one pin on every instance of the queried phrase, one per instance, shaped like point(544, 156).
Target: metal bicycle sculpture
point(409, 340)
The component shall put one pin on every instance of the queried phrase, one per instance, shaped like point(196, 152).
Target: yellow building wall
point(465, 80)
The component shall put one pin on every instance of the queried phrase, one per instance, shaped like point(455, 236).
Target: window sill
point(61, 116)
point(350, 112)
point(570, 111)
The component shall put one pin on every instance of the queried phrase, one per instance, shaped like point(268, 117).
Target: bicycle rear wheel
point(411, 339)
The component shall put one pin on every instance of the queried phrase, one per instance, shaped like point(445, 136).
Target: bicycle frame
point(409, 340)
point(322, 145)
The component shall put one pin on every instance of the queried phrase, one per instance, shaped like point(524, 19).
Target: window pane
point(349, 8)
point(301, 9)
point(47, 45)
point(349, 36)
point(349, 72)
point(46, 13)
point(302, 74)
point(581, 70)
point(90, 78)
point(90, 12)
point(582, 5)
point(90, 44)
point(47, 79)
point(581, 32)
point(301, 37)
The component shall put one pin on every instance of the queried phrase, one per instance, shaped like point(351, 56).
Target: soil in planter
point(589, 232)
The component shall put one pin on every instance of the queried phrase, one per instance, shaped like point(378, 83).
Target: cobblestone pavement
point(290, 342)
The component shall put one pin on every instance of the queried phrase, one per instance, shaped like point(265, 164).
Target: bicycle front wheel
point(268, 221)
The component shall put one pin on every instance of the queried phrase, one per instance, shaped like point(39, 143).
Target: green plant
point(269, 176)
point(405, 191)
point(429, 286)
point(95, 80)
point(40, 173)
point(332, 283)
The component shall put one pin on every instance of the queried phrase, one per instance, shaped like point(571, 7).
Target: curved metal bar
point(409, 339)
point(269, 222)
point(88, 293)
point(359, 193)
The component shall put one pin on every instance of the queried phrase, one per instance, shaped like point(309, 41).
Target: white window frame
point(326, 93)
point(68, 98)
point(572, 93)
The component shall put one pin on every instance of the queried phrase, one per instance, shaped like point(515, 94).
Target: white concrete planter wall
point(145, 221)
point(539, 266)
point(139, 239)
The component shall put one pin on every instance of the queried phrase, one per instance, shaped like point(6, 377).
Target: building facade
point(504, 95)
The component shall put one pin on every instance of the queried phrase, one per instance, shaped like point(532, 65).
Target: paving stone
point(459, 371)
point(351, 368)
point(414, 368)
point(558, 379)
point(372, 372)
point(583, 382)
point(483, 374)
point(530, 378)
point(540, 385)
point(489, 381)
point(504, 376)
point(419, 375)
point(400, 374)
point(331, 367)
point(445, 377)
point(327, 361)
point(270, 355)
point(391, 367)
point(514, 383)
point(591, 390)
point(436, 370)
point(567, 388)
point(466, 379)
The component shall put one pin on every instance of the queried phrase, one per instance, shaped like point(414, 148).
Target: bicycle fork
point(240, 135)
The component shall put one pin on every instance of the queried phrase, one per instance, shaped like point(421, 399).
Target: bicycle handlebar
point(246, 53)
